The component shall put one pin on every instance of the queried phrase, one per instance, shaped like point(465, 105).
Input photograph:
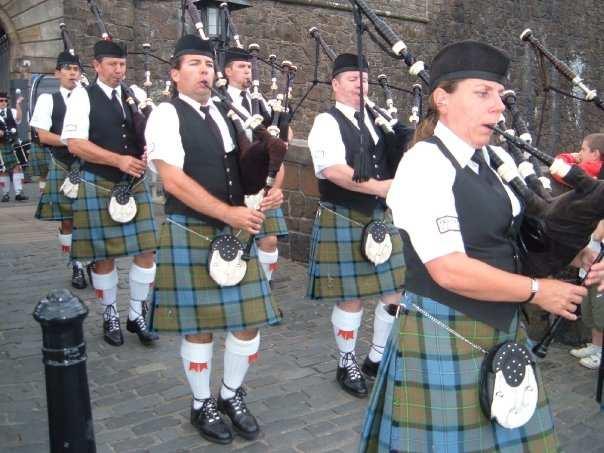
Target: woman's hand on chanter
point(559, 298)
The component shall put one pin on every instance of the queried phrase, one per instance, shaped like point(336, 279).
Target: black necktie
point(116, 103)
point(484, 171)
point(212, 125)
point(244, 102)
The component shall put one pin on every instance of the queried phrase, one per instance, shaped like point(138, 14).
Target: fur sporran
point(122, 205)
point(225, 263)
point(71, 184)
point(376, 244)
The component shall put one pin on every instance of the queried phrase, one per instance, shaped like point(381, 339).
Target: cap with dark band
point(348, 62)
point(469, 60)
point(65, 58)
point(192, 45)
point(236, 54)
point(3, 95)
point(109, 49)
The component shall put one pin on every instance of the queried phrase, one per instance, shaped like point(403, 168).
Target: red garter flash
point(273, 267)
point(198, 367)
point(98, 293)
point(65, 248)
point(346, 334)
point(252, 358)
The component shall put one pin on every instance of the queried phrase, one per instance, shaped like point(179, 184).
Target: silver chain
point(168, 219)
point(322, 206)
point(439, 323)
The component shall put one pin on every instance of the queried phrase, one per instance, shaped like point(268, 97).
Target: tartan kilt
point(9, 158)
point(337, 269)
point(185, 298)
point(425, 397)
point(40, 160)
point(96, 236)
point(273, 225)
point(53, 204)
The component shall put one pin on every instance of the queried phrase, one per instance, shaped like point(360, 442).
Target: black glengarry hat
point(236, 54)
point(109, 49)
point(348, 62)
point(469, 60)
point(66, 58)
point(192, 45)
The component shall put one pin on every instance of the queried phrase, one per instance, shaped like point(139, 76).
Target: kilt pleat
point(337, 269)
point(53, 204)
point(273, 225)
point(9, 158)
point(96, 236)
point(40, 160)
point(185, 298)
point(426, 395)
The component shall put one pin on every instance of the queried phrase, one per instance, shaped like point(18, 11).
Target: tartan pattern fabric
point(185, 298)
point(10, 160)
point(96, 236)
point(53, 204)
point(337, 269)
point(273, 225)
point(425, 398)
point(40, 159)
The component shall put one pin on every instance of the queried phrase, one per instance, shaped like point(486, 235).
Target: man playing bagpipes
point(99, 130)
point(238, 71)
point(9, 120)
point(47, 120)
point(203, 285)
point(356, 253)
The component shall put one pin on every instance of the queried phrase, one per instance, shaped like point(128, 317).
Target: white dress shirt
point(325, 140)
point(162, 133)
point(77, 117)
point(237, 99)
point(421, 196)
point(13, 111)
point(42, 116)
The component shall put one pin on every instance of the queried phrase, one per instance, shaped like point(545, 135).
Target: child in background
point(589, 157)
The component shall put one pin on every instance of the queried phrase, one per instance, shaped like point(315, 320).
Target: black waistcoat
point(9, 122)
point(485, 216)
point(206, 162)
point(61, 153)
point(109, 130)
point(333, 193)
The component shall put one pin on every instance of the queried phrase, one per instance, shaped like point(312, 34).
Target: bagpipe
point(122, 205)
point(396, 135)
point(261, 157)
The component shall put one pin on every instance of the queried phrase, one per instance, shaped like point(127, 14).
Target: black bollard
point(61, 315)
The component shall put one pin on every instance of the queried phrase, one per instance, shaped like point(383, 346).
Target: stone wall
point(281, 27)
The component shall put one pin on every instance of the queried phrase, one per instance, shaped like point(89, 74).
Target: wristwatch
point(534, 289)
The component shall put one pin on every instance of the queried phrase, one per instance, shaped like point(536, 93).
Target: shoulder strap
point(443, 149)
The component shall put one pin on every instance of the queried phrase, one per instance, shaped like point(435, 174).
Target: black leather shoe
point(243, 421)
point(370, 368)
point(5, 198)
point(78, 280)
point(21, 197)
point(210, 424)
point(139, 327)
point(350, 378)
point(112, 331)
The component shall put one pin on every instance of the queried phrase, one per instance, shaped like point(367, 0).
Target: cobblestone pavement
point(140, 399)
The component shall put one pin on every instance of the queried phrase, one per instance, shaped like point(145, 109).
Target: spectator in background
point(589, 157)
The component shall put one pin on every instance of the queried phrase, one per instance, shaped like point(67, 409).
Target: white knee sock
point(105, 286)
point(5, 184)
point(345, 328)
point(18, 182)
point(65, 241)
point(41, 186)
point(268, 261)
point(197, 361)
point(238, 355)
point(382, 325)
point(140, 280)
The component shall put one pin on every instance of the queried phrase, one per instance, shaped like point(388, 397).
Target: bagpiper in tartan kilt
point(337, 269)
point(53, 204)
point(274, 224)
point(426, 396)
point(40, 160)
point(96, 236)
point(8, 156)
point(185, 298)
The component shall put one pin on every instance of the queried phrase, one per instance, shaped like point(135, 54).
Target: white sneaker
point(586, 351)
point(592, 362)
